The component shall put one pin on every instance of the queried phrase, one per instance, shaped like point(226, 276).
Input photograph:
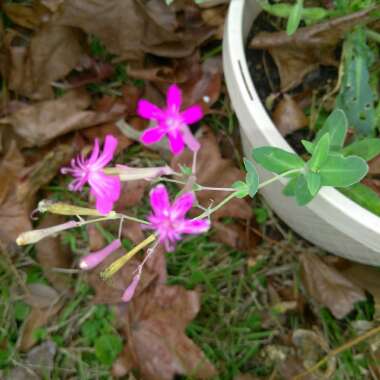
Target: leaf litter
point(51, 97)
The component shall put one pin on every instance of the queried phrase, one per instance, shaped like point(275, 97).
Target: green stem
point(278, 176)
point(133, 219)
point(218, 206)
point(198, 187)
point(374, 36)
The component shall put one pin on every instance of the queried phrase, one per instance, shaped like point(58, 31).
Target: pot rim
point(235, 37)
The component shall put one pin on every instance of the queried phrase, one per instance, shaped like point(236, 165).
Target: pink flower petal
point(195, 226)
point(192, 114)
point(109, 148)
point(190, 140)
point(95, 152)
point(106, 190)
point(130, 291)
point(176, 142)
point(174, 98)
point(159, 199)
point(148, 110)
point(183, 204)
point(152, 135)
point(93, 259)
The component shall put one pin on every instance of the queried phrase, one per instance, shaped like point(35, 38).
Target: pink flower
point(95, 258)
point(169, 219)
point(105, 188)
point(171, 121)
point(131, 289)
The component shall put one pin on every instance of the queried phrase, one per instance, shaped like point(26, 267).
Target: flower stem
point(120, 262)
point(218, 206)
point(278, 176)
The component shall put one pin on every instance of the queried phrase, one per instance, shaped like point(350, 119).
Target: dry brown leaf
point(38, 364)
point(29, 16)
point(367, 278)
point(41, 122)
point(130, 28)
point(235, 235)
point(205, 84)
point(328, 286)
point(156, 340)
point(41, 296)
point(52, 53)
point(37, 318)
point(288, 116)
point(52, 254)
point(291, 367)
point(311, 46)
point(374, 166)
point(18, 200)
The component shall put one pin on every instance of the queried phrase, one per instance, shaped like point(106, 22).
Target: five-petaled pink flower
point(105, 188)
point(169, 221)
point(171, 121)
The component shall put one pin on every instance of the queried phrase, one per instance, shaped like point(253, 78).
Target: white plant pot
point(331, 221)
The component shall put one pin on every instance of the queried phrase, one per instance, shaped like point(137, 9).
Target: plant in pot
point(168, 222)
point(295, 72)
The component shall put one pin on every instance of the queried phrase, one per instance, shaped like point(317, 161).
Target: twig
point(338, 350)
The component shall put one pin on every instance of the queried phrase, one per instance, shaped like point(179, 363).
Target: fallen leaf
point(374, 166)
point(205, 85)
point(130, 28)
point(367, 278)
point(309, 47)
point(156, 340)
point(52, 254)
point(236, 236)
point(37, 318)
point(291, 367)
point(329, 287)
point(29, 16)
point(39, 363)
point(22, 185)
point(288, 116)
point(52, 53)
point(41, 122)
point(41, 295)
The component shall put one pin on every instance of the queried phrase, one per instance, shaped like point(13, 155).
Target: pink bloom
point(169, 219)
point(130, 291)
point(94, 259)
point(105, 188)
point(171, 121)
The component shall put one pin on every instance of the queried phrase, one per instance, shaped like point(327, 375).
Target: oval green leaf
point(277, 160)
point(320, 153)
point(340, 171)
point(367, 149)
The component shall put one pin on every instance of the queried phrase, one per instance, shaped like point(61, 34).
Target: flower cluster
point(168, 220)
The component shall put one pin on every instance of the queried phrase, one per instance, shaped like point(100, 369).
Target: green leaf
point(21, 310)
point(242, 189)
point(302, 193)
point(290, 189)
point(107, 348)
point(313, 181)
point(340, 171)
point(364, 196)
point(367, 149)
point(277, 160)
point(252, 178)
point(356, 97)
point(336, 125)
point(294, 17)
point(320, 153)
point(309, 146)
